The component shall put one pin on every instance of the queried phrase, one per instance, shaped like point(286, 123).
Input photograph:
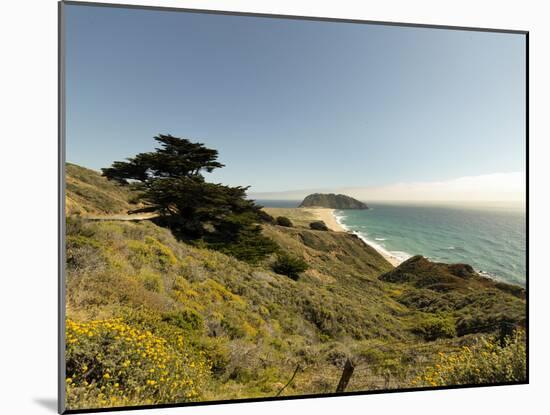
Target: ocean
point(490, 238)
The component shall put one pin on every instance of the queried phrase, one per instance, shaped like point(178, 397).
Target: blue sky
point(296, 104)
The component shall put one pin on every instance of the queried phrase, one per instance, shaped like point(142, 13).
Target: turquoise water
point(491, 239)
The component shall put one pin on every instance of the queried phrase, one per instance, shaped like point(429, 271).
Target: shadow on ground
point(48, 403)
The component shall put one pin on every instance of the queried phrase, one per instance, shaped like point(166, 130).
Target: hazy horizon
point(496, 188)
point(503, 187)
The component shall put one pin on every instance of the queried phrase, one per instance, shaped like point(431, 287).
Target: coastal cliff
point(247, 326)
point(332, 201)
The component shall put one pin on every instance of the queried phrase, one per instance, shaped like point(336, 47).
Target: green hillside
point(332, 201)
point(87, 192)
point(152, 319)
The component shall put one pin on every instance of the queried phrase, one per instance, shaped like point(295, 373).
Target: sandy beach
point(327, 216)
point(304, 216)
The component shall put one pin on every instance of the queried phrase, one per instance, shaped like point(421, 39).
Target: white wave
point(491, 276)
point(399, 255)
point(380, 239)
point(339, 219)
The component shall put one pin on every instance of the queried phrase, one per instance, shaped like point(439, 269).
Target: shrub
point(84, 254)
point(485, 363)
point(77, 226)
point(386, 362)
point(151, 252)
point(192, 208)
point(372, 356)
point(250, 247)
point(186, 319)
point(433, 328)
point(284, 221)
point(289, 266)
point(152, 281)
point(232, 328)
point(265, 217)
point(110, 363)
point(216, 350)
point(318, 226)
point(481, 322)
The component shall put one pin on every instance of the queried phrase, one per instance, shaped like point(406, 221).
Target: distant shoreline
point(328, 216)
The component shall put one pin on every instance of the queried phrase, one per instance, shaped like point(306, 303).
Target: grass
point(487, 361)
point(243, 328)
point(298, 217)
point(88, 193)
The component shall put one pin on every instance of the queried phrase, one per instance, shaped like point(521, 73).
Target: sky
point(295, 105)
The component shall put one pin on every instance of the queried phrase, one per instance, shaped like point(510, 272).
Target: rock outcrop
point(332, 201)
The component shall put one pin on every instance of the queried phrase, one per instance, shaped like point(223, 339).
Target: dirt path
point(122, 217)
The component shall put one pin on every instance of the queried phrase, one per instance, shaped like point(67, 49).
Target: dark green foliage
point(515, 290)
point(425, 300)
point(432, 275)
point(476, 303)
point(169, 182)
point(284, 221)
point(251, 246)
point(478, 312)
point(289, 266)
point(176, 158)
point(254, 326)
point(266, 217)
point(257, 325)
point(332, 201)
point(186, 319)
point(436, 327)
point(479, 322)
point(441, 277)
point(318, 226)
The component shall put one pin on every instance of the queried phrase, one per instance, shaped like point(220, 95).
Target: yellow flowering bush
point(110, 363)
point(149, 252)
point(485, 363)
